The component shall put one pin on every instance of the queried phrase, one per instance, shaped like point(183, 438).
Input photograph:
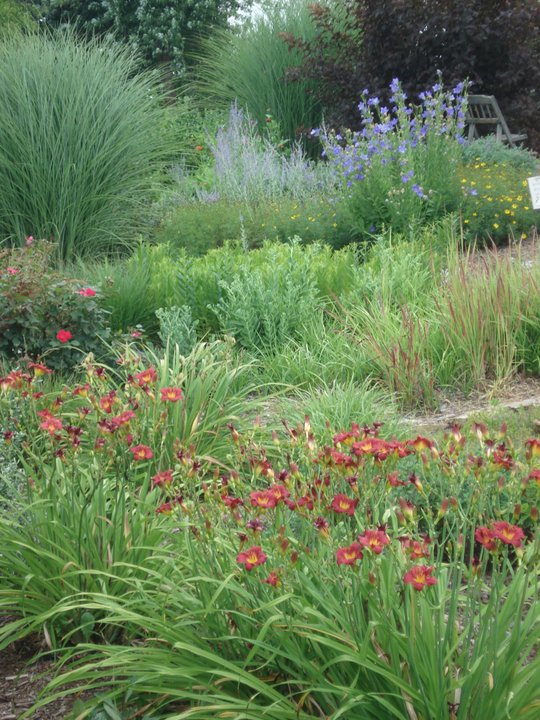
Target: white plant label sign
point(534, 189)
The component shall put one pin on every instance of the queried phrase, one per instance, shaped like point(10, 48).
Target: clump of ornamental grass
point(401, 168)
point(253, 66)
point(79, 151)
point(381, 577)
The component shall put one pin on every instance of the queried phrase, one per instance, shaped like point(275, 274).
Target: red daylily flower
point(107, 401)
point(393, 480)
point(39, 369)
point(421, 443)
point(343, 504)
point(280, 492)
point(415, 548)
point(255, 525)
point(252, 557)
point(51, 424)
point(171, 394)
point(272, 580)
point(166, 508)
point(533, 448)
point(350, 554)
point(81, 390)
point(305, 501)
point(347, 438)
point(485, 537)
point(15, 380)
point(375, 540)
point(231, 501)
point(141, 452)
point(87, 292)
point(420, 576)
point(124, 418)
point(146, 377)
point(162, 478)
point(507, 533)
point(263, 499)
point(321, 524)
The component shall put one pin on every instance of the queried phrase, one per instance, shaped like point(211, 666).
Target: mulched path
point(20, 684)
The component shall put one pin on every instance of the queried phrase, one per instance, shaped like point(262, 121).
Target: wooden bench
point(484, 117)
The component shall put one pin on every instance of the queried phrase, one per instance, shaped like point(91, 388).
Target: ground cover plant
point(498, 203)
point(305, 576)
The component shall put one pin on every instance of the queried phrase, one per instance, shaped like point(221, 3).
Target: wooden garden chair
point(484, 113)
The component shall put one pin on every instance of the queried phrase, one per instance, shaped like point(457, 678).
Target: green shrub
point(160, 31)
point(79, 149)
point(265, 306)
point(200, 226)
point(177, 328)
point(43, 313)
point(491, 151)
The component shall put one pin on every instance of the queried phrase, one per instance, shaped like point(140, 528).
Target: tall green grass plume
point(79, 150)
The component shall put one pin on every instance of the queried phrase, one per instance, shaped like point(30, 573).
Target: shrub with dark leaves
point(493, 43)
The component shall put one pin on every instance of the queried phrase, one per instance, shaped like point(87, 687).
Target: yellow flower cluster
point(496, 197)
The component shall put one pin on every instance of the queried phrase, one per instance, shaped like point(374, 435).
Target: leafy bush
point(401, 168)
point(79, 151)
point(43, 313)
point(158, 30)
point(263, 307)
point(177, 328)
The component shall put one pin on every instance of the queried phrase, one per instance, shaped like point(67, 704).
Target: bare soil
point(21, 683)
